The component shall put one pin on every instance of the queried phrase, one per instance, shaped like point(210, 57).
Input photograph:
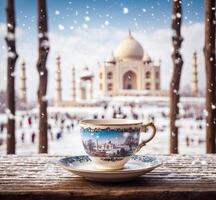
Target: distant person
point(30, 121)
point(95, 116)
point(2, 127)
point(200, 141)
point(51, 135)
point(33, 137)
point(135, 116)
point(114, 114)
point(119, 110)
point(49, 127)
point(68, 128)
point(124, 116)
point(105, 106)
point(56, 117)
point(163, 114)
point(187, 141)
point(72, 125)
point(59, 135)
point(62, 121)
point(21, 123)
point(23, 137)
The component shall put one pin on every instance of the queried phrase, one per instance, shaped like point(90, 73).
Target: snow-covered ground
point(61, 120)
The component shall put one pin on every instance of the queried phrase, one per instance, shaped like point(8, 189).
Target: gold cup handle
point(144, 128)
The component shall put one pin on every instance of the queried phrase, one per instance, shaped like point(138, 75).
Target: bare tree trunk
point(43, 73)
point(11, 62)
point(210, 65)
point(177, 68)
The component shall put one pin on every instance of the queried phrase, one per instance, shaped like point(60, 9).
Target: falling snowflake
point(11, 36)
point(213, 106)
point(205, 112)
point(87, 18)
point(85, 26)
point(45, 98)
point(178, 15)
point(61, 27)
point(11, 54)
point(57, 12)
point(106, 23)
point(125, 10)
point(175, 91)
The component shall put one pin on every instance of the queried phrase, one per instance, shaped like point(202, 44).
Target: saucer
point(83, 166)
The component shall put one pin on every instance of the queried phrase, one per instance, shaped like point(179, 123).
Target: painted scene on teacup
point(110, 142)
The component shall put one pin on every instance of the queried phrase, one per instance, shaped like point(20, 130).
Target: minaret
point(129, 33)
point(58, 92)
point(22, 90)
point(73, 84)
point(82, 90)
point(91, 88)
point(194, 85)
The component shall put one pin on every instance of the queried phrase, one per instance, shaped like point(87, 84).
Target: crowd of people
point(60, 123)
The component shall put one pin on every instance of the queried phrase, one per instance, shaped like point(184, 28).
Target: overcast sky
point(86, 32)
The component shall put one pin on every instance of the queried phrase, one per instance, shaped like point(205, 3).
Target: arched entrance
point(130, 80)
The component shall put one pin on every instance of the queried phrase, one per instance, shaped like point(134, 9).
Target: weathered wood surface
point(37, 177)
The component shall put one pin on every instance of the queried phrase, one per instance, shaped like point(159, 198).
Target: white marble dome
point(129, 48)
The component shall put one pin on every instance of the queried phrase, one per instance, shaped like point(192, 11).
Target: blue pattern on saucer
point(68, 161)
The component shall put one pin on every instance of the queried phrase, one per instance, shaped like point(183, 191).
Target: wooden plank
point(37, 177)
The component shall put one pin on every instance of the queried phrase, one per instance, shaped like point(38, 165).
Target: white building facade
point(129, 71)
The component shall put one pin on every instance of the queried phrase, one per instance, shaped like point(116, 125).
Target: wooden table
point(181, 177)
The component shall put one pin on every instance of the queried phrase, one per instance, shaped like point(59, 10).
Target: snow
point(85, 26)
point(213, 106)
point(61, 27)
point(71, 27)
point(45, 44)
point(178, 15)
point(57, 12)
point(11, 54)
point(11, 36)
point(125, 10)
point(190, 128)
point(106, 23)
point(87, 18)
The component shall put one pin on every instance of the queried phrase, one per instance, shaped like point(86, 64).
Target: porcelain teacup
point(111, 143)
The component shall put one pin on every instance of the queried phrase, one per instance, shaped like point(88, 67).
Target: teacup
point(111, 143)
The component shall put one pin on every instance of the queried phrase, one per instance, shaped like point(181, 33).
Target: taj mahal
point(129, 71)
